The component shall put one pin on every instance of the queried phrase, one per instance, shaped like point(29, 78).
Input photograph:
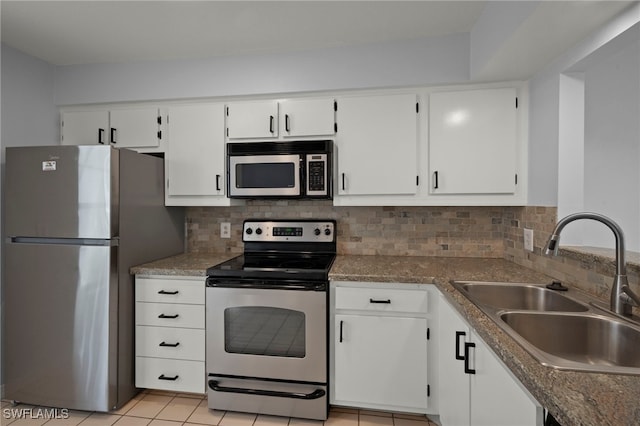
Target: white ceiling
point(80, 32)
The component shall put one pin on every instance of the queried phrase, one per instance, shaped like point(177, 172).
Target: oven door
point(265, 176)
point(266, 333)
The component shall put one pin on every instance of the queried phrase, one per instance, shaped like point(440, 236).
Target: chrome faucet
point(622, 298)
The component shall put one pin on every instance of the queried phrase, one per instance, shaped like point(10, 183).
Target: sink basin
point(528, 297)
point(585, 341)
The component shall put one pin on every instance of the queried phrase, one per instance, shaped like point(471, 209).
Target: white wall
point(28, 113)
point(425, 61)
point(612, 145)
point(544, 123)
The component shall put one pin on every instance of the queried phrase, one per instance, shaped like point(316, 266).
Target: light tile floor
point(156, 408)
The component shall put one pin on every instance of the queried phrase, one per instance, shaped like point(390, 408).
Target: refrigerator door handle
point(113, 242)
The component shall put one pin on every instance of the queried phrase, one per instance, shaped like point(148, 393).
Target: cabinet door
point(472, 142)
point(498, 398)
point(252, 119)
point(134, 128)
point(194, 160)
point(454, 396)
point(377, 145)
point(308, 117)
point(381, 360)
point(84, 128)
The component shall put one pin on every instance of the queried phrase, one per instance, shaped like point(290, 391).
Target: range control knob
point(316, 231)
point(258, 231)
point(249, 231)
point(327, 231)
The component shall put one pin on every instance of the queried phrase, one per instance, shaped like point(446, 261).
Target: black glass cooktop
point(275, 266)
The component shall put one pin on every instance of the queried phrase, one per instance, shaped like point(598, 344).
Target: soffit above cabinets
point(529, 34)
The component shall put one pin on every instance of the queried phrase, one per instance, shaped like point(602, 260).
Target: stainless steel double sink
point(564, 330)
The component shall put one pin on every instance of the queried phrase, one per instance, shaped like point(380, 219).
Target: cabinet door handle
point(169, 292)
point(173, 379)
point(217, 182)
point(435, 180)
point(458, 335)
point(286, 123)
point(386, 301)
point(168, 316)
point(101, 136)
point(341, 324)
point(169, 345)
point(271, 124)
point(467, 369)
point(112, 137)
point(343, 184)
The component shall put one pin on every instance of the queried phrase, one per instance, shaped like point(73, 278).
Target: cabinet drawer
point(381, 299)
point(170, 342)
point(170, 374)
point(170, 290)
point(170, 315)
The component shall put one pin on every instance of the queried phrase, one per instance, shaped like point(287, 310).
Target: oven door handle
point(318, 393)
point(266, 284)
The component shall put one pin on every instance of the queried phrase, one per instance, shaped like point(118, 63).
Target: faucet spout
point(622, 298)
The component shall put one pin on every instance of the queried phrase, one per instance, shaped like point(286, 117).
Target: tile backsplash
point(495, 232)
point(400, 231)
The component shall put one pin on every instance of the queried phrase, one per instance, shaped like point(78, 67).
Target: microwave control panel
point(317, 175)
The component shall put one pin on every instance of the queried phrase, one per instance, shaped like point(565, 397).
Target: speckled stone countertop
point(574, 398)
point(194, 264)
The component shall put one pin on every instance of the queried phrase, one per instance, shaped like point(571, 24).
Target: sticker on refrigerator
point(48, 166)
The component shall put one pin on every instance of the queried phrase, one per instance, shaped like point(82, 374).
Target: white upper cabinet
point(139, 128)
point(135, 128)
point(258, 119)
point(195, 156)
point(377, 145)
point(84, 128)
point(307, 117)
point(473, 141)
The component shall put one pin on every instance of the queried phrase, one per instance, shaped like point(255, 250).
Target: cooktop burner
point(282, 249)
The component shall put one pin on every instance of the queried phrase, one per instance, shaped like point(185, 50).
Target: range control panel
point(284, 231)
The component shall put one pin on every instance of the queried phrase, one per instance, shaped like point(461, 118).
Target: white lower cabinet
point(475, 387)
point(170, 336)
point(379, 346)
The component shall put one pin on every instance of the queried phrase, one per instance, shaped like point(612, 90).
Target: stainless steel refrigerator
point(76, 219)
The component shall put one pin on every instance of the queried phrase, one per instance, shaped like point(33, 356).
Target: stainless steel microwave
point(292, 169)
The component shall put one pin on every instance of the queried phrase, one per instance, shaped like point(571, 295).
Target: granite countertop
point(193, 264)
point(574, 398)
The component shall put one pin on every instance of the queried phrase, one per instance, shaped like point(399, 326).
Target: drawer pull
point(173, 379)
point(169, 345)
point(172, 293)
point(168, 316)
point(387, 301)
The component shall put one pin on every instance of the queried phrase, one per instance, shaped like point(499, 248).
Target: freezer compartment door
point(61, 325)
point(61, 192)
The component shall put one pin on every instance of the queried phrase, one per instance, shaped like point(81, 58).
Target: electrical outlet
point(225, 230)
point(528, 239)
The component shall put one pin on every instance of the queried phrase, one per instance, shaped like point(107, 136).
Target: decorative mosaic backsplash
point(399, 231)
point(495, 232)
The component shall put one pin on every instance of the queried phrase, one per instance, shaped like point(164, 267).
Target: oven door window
point(262, 330)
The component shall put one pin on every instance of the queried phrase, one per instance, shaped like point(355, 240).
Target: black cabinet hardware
point(458, 335)
point(101, 136)
point(467, 369)
point(112, 137)
point(169, 292)
point(173, 379)
point(386, 301)
point(169, 345)
point(168, 316)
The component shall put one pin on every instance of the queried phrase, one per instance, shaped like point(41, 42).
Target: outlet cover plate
point(528, 239)
point(225, 230)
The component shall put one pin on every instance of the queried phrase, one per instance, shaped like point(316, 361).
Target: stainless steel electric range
point(266, 315)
